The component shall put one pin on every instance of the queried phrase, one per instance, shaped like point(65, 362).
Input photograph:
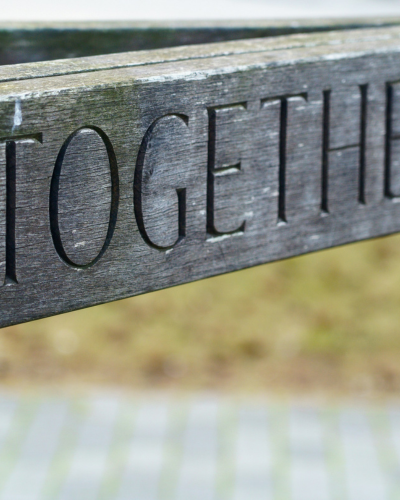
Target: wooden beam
point(129, 173)
point(32, 42)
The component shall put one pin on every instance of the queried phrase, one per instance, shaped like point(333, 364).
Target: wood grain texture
point(124, 174)
point(32, 42)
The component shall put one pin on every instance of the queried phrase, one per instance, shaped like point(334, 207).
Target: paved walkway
point(196, 448)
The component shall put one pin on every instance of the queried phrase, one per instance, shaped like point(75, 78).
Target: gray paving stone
point(202, 447)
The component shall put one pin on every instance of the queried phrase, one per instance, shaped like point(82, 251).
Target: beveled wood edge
point(28, 71)
point(22, 42)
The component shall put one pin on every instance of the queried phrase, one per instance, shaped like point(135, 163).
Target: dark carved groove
point(11, 272)
point(389, 106)
point(54, 191)
point(325, 150)
point(282, 162)
point(212, 172)
point(11, 200)
point(137, 190)
point(283, 149)
point(363, 143)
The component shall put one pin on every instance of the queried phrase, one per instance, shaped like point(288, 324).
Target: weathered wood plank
point(32, 42)
point(136, 172)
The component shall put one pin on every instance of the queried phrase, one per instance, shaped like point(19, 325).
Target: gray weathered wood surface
point(122, 174)
point(32, 42)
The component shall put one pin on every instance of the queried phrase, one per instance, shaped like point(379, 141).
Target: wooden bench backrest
point(126, 173)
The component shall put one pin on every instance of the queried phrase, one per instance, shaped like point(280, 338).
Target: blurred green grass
point(329, 322)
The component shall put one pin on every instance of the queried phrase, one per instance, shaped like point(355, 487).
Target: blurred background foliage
point(327, 322)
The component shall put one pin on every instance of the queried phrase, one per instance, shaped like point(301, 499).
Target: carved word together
point(227, 153)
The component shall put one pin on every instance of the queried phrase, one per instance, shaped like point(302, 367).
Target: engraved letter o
point(84, 196)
